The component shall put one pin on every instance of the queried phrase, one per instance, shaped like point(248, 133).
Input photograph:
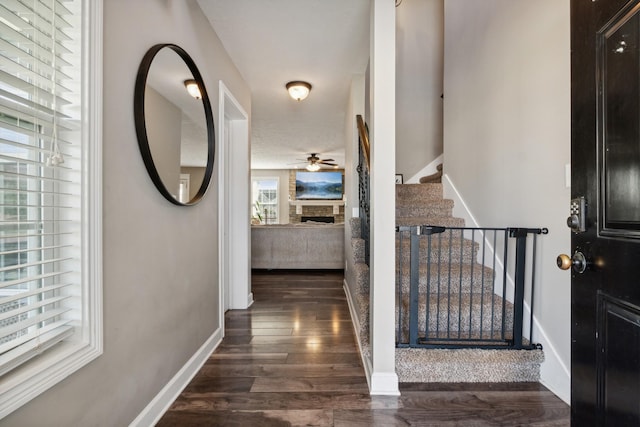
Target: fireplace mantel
point(300, 203)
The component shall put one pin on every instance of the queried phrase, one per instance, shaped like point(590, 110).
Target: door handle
point(578, 261)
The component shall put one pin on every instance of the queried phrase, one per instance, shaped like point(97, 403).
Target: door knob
point(578, 261)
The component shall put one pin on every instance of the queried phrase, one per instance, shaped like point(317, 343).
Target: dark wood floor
point(291, 359)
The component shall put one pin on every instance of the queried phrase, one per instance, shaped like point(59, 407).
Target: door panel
point(605, 155)
point(618, 70)
point(618, 362)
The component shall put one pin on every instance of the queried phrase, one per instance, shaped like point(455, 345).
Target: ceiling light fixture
point(313, 167)
point(193, 88)
point(298, 90)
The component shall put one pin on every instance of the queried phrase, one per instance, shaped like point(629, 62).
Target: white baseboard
point(554, 373)
point(384, 384)
point(152, 413)
point(250, 300)
point(355, 321)
point(430, 169)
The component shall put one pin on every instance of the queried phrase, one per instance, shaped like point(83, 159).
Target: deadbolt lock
point(577, 215)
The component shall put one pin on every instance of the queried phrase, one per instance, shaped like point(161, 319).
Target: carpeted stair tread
point(431, 191)
point(431, 220)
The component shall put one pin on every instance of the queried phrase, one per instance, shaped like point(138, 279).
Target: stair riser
point(441, 240)
point(423, 211)
point(440, 202)
point(358, 247)
point(361, 277)
point(355, 226)
point(459, 318)
point(464, 366)
point(481, 282)
point(455, 258)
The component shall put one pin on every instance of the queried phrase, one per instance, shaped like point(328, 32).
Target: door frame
point(234, 254)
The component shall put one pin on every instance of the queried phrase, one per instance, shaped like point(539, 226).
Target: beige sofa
point(297, 246)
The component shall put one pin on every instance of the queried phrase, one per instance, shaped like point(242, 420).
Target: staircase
point(420, 204)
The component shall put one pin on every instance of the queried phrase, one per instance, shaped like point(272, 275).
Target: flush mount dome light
point(193, 88)
point(298, 90)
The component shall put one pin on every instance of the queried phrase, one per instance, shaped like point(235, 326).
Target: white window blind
point(41, 172)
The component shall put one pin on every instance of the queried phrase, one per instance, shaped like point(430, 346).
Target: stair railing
point(454, 298)
point(363, 183)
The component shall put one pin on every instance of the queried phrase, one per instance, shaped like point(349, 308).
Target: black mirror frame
point(141, 128)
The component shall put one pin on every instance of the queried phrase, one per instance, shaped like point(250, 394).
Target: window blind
point(40, 178)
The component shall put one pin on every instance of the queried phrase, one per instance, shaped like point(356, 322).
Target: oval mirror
point(175, 128)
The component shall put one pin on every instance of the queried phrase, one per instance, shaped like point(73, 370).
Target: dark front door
point(605, 151)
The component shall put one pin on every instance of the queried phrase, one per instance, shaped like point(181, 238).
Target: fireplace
point(327, 219)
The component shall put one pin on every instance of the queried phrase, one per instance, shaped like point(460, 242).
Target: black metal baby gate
point(462, 289)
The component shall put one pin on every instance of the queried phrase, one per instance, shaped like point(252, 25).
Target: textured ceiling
point(272, 42)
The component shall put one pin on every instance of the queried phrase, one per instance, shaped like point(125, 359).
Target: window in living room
point(265, 201)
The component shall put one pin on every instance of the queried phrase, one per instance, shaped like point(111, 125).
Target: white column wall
point(382, 261)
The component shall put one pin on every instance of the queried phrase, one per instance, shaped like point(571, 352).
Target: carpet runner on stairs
point(422, 204)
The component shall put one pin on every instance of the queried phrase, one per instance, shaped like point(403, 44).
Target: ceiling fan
point(315, 162)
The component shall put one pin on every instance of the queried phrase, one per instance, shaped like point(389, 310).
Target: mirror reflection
point(176, 136)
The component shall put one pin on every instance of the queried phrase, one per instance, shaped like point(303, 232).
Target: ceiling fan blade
point(327, 160)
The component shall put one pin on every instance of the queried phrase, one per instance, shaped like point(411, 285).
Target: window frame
point(255, 194)
point(38, 375)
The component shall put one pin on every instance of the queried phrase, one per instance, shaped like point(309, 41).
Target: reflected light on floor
point(296, 320)
point(335, 322)
point(314, 344)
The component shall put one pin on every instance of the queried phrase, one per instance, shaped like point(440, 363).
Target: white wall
point(419, 65)
point(507, 139)
point(160, 260)
point(164, 132)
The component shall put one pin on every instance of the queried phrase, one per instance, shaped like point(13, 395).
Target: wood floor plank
point(248, 418)
point(301, 339)
point(304, 384)
point(217, 401)
point(280, 371)
point(259, 332)
point(443, 417)
point(291, 359)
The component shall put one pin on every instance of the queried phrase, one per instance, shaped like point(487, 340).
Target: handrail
point(364, 168)
point(364, 138)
